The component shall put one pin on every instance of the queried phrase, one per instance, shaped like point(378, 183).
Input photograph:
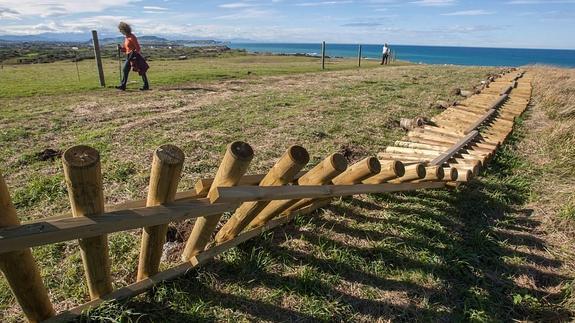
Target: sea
point(473, 56)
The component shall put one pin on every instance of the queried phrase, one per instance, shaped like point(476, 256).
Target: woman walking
point(134, 59)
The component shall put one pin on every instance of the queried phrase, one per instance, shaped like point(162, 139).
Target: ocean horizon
point(450, 55)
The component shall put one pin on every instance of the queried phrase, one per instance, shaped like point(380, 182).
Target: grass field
point(62, 77)
point(481, 253)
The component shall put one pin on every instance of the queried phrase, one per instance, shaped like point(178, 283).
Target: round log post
point(353, 175)
point(359, 171)
point(84, 182)
point(165, 175)
point(464, 175)
point(20, 269)
point(282, 173)
point(433, 173)
point(233, 166)
point(321, 174)
point(451, 173)
point(390, 169)
point(412, 172)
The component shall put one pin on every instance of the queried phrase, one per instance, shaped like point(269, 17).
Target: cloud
point(479, 12)
point(322, 3)
point(154, 8)
point(434, 3)
point(7, 13)
point(540, 2)
point(362, 24)
point(250, 13)
point(61, 7)
point(236, 5)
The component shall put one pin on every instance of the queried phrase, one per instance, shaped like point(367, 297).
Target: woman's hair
point(125, 28)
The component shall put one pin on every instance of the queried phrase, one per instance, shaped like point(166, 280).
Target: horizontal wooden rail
point(444, 157)
point(65, 229)
point(260, 193)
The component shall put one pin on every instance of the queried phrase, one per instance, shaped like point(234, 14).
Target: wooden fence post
point(167, 166)
point(359, 56)
point(234, 165)
point(84, 181)
point(98, 57)
point(358, 172)
point(321, 174)
point(354, 174)
point(390, 169)
point(323, 55)
point(20, 269)
point(412, 172)
point(283, 172)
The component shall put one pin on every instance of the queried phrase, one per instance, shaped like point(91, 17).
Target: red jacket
point(131, 44)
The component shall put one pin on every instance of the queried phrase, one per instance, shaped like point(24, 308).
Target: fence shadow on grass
point(356, 259)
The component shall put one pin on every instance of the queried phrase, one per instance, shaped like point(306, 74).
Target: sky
point(486, 23)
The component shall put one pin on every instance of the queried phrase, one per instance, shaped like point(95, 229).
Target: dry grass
point(472, 254)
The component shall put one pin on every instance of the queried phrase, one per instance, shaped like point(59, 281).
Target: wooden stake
point(451, 173)
point(20, 269)
point(321, 174)
point(98, 58)
point(412, 172)
point(390, 169)
point(323, 55)
point(282, 173)
point(167, 166)
point(84, 182)
point(234, 165)
point(353, 175)
point(359, 171)
point(359, 56)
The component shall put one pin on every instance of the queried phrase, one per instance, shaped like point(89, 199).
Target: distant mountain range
point(107, 38)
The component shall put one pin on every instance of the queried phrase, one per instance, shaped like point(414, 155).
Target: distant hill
point(105, 39)
point(141, 39)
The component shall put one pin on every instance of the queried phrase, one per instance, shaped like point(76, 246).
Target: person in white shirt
point(385, 55)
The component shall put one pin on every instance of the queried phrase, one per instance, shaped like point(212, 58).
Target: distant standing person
point(134, 59)
point(385, 55)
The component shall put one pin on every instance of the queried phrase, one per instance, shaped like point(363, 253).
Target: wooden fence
point(449, 151)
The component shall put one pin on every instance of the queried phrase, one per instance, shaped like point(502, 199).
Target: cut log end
point(420, 170)
point(241, 150)
point(170, 154)
point(451, 173)
point(81, 157)
point(338, 162)
point(374, 165)
point(298, 155)
point(399, 168)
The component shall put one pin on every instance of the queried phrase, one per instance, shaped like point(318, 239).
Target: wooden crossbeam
point(261, 193)
point(447, 155)
point(65, 229)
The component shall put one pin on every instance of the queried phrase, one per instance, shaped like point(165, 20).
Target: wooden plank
point(203, 185)
point(479, 121)
point(65, 229)
point(260, 193)
point(439, 160)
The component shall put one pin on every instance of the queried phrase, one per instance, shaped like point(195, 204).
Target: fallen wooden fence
point(450, 151)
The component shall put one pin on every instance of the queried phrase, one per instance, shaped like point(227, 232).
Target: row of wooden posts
point(100, 66)
point(451, 151)
point(392, 55)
